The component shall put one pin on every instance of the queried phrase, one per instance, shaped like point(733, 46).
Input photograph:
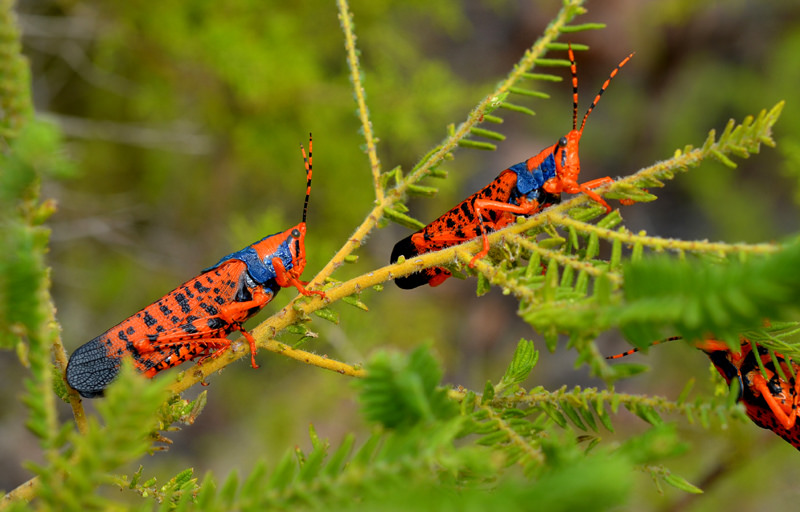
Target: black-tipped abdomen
point(90, 369)
point(406, 247)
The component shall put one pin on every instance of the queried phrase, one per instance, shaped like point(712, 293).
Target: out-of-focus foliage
point(182, 120)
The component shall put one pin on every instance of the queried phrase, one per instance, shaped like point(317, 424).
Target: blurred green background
point(185, 117)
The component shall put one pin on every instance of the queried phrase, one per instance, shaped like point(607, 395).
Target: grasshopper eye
point(296, 233)
point(562, 142)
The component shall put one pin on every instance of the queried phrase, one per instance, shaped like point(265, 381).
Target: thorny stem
point(692, 157)
point(657, 243)
point(662, 170)
point(346, 19)
point(300, 308)
point(23, 492)
point(352, 244)
point(488, 103)
point(385, 200)
point(74, 398)
point(240, 348)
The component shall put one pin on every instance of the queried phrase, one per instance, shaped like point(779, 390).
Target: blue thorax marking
point(530, 183)
point(260, 271)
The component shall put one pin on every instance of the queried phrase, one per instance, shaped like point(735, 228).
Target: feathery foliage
point(575, 272)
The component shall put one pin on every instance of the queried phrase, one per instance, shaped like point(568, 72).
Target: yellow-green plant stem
point(23, 492)
point(75, 402)
point(570, 9)
point(240, 348)
point(346, 19)
point(493, 99)
point(657, 243)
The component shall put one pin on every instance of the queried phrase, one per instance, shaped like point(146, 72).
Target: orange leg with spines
point(236, 312)
point(526, 208)
point(285, 278)
point(447, 238)
point(587, 187)
point(218, 344)
point(788, 421)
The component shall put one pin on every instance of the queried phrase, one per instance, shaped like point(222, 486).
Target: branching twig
point(292, 313)
point(493, 99)
point(658, 243)
point(490, 102)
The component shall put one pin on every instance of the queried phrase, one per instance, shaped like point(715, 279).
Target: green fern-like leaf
point(695, 298)
point(15, 99)
point(400, 391)
point(521, 365)
point(128, 412)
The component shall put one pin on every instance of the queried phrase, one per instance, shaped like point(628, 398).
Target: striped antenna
point(574, 68)
point(596, 98)
point(307, 163)
point(637, 349)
